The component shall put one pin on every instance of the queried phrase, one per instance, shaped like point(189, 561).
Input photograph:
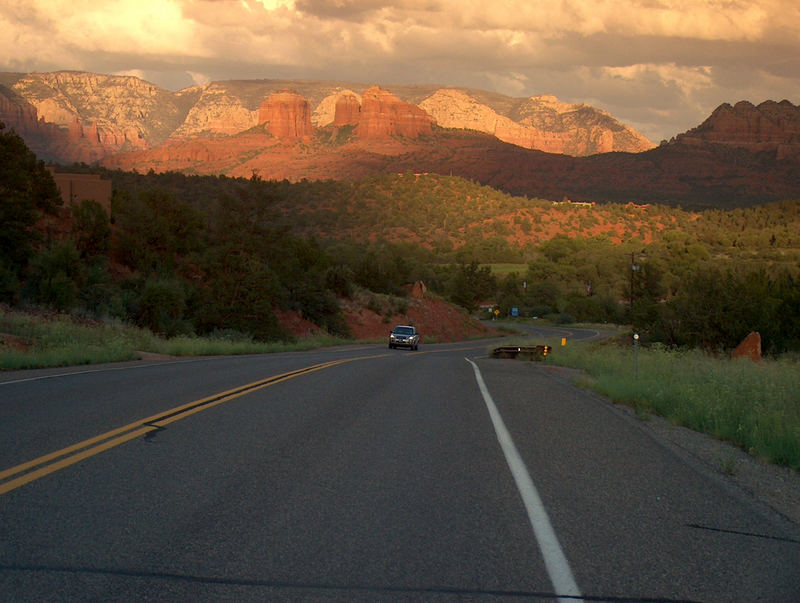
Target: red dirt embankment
point(435, 319)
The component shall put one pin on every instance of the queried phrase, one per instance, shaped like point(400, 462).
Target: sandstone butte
point(286, 115)
point(379, 114)
point(384, 115)
point(348, 109)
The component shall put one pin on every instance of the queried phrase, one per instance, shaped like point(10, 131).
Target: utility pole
point(634, 269)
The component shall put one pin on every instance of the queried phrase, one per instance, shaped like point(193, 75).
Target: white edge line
point(554, 559)
point(97, 370)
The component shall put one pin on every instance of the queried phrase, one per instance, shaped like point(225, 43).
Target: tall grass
point(60, 340)
point(754, 406)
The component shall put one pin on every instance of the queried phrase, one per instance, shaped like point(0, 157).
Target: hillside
point(448, 213)
point(742, 155)
point(233, 257)
point(105, 114)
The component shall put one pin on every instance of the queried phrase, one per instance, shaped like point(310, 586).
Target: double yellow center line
point(13, 478)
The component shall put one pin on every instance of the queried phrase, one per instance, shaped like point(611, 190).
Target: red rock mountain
point(741, 155)
point(769, 126)
point(539, 122)
point(18, 113)
point(109, 114)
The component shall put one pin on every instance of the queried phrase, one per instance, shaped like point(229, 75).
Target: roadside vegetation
point(203, 265)
point(753, 406)
point(190, 256)
point(39, 340)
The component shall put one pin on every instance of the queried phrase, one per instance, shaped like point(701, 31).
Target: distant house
point(83, 187)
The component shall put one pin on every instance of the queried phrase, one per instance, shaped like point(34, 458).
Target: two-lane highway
point(375, 474)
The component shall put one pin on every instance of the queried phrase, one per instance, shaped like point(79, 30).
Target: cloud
point(199, 78)
point(632, 58)
point(686, 79)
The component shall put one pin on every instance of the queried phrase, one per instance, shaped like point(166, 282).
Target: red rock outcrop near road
point(436, 320)
point(749, 348)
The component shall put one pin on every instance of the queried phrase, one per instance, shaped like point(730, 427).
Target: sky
point(660, 66)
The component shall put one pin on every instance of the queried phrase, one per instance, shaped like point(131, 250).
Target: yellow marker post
point(563, 341)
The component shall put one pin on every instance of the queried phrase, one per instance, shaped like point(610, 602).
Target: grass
point(754, 406)
point(60, 340)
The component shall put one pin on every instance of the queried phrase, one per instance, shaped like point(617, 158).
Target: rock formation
point(742, 155)
point(215, 112)
point(769, 126)
point(45, 139)
point(540, 122)
point(348, 109)
point(130, 114)
point(286, 115)
point(325, 112)
point(16, 113)
point(127, 112)
point(384, 115)
point(749, 348)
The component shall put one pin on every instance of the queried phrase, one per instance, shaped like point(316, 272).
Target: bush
point(161, 307)
point(56, 276)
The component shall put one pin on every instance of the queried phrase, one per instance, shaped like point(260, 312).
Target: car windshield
point(404, 330)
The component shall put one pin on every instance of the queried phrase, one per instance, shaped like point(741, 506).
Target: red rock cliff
point(384, 115)
point(348, 110)
point(287, 115)
point(768, 126)
point(18, 115)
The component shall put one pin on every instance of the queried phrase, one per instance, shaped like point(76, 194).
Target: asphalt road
point(382, 477)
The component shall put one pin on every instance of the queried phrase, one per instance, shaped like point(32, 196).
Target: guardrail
point(522, 352)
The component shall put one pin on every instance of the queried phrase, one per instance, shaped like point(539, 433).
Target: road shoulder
point(776, 487)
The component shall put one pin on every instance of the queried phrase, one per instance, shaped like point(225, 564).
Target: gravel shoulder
point(776, 487)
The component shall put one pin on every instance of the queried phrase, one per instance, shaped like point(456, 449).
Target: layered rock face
point(45, 139)
point(17, 113)
point(286, 115)
point(128, 112)
point(540, 122)
point(384, 115)
point(216, 112)
point(103, 114)
point(348, 110)
point(766, 127)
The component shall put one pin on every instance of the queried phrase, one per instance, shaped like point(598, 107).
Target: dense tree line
point(184, 254)
point(27, 195)
point(679, 291)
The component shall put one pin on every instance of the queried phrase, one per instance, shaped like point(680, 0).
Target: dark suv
point(404, 336)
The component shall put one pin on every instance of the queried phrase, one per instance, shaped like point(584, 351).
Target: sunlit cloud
point(663, 63)
point(141, 74)
point(199, 78)
point(687, 79)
